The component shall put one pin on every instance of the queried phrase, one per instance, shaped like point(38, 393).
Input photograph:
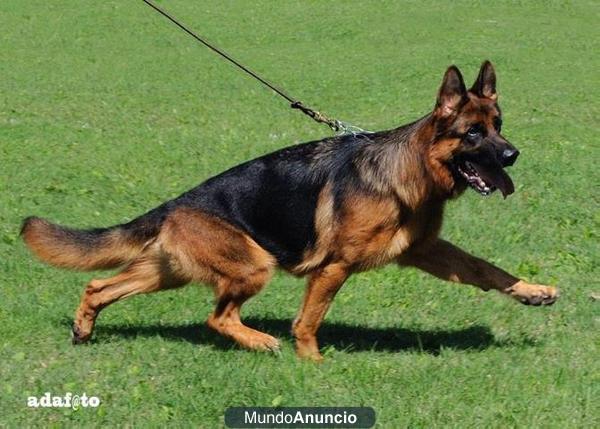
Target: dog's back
point(272, 198)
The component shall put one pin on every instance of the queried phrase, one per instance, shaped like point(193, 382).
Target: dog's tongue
point(495, 175)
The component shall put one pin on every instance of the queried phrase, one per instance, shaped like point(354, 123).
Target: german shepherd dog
point(323, 209)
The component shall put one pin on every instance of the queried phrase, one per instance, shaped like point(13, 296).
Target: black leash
point(334, 124)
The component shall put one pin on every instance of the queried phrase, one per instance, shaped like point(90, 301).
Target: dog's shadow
point(341, 336)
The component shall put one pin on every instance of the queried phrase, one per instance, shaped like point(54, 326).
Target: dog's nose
point(509, 156)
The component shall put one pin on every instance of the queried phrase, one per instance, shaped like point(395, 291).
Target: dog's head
point(468, 144)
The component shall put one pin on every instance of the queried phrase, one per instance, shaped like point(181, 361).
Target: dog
point(323, 209)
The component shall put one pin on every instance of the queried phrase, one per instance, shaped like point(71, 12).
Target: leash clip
point(338, 127)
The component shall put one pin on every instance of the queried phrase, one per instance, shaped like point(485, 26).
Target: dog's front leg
point(448, 262)
point(322, 287)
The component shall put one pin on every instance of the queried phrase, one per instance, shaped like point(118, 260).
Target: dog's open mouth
point(485, 178)
point(468, 171)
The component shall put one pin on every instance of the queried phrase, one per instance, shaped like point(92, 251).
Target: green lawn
point(106, 110)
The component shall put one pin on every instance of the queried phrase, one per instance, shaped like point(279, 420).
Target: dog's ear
point(485, 84)
point(452, 94)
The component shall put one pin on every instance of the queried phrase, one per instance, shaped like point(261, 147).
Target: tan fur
point(367, 228)
point(477, 110)
point(191, 246)
point(448, 262)
point(50, 244)
point(324, 228)
point(149, 273)
point(395, 215)
point(206, 249)
point(438, 156)
point(400, 171)
point(323, 284)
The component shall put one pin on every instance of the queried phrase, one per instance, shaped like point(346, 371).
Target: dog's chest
point(377, 236)
point(385, 246)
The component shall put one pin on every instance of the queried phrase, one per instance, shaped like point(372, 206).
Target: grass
point(106, 110)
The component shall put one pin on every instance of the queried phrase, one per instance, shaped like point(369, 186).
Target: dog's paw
point(309, 354)
point(77, 336)
point(308, 350)
point(530, 294)
point(246, 337)
point(261, 341)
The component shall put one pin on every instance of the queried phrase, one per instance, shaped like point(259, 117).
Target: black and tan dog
point(323, 209)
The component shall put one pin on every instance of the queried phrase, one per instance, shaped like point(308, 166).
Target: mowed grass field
point(107, 110)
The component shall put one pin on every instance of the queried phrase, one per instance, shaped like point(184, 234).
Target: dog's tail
point(91, 249)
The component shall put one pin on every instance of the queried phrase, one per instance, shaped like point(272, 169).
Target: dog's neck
point(435, 156)
point(401, 161)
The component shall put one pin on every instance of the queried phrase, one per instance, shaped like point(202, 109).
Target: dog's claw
point(275, 349)
point(274, 346)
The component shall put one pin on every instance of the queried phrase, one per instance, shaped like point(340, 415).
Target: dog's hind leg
point(213, 251)
point(231, 294)
point(149, 273)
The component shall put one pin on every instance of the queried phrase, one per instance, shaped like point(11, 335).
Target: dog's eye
point(474, 131)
